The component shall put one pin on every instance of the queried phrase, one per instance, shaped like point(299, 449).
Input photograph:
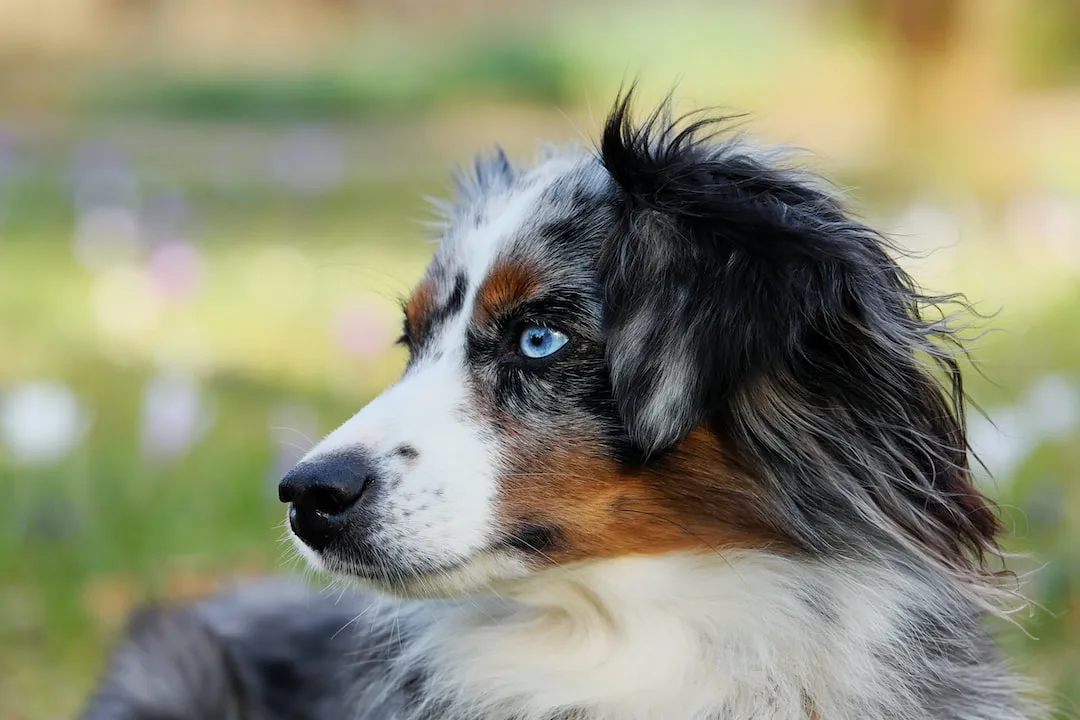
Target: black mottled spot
point(407, 452)
point(413, 687)
point(534, 538)
point(457, 295)
point(438, 315)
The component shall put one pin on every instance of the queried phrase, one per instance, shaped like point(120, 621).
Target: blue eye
point(540, 342)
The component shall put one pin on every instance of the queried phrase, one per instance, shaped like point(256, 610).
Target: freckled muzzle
point(325, 495)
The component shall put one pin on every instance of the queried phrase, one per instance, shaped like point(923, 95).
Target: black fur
point(805, 344)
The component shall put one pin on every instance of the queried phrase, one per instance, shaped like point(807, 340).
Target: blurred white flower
point(1001, 443)
point(1049, 411)
point(309, 160)
point(1053, 408)
point(174, 414)
point(125, 302)
point(364, 329)
point(106, 236)
point(175, 269)
point(41, 422)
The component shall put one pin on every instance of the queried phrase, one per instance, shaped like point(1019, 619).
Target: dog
point(677, 438)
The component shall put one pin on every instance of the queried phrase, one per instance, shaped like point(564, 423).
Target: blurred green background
point(209, 209)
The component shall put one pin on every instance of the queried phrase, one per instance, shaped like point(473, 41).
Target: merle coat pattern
point(740, 490)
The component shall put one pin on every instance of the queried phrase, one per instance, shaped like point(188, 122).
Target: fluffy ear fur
point(742, 296)
point(718, 268)
point(490, 172)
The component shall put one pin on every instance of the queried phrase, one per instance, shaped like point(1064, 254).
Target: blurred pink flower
point(1048, 221)
point(175, 269)
point(363, 329)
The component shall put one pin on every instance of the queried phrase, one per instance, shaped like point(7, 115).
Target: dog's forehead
point(511, 222)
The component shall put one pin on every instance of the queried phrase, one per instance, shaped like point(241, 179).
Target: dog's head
point(666, 346)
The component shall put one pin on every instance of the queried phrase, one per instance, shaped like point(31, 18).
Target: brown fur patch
point(418, 307)
point(509, 283)
point(689, 499)
point(569, 493)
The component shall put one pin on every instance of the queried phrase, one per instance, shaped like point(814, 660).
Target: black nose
point(322, 492)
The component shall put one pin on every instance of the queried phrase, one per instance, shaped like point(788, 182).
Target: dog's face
point(501, 448)
point(606, 360)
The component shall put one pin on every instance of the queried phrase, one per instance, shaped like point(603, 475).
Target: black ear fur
point(742, 296)
point(717, 268)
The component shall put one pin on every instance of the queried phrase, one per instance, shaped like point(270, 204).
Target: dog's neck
point(743, 635)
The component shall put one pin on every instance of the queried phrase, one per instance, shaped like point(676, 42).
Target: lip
point(391, 577)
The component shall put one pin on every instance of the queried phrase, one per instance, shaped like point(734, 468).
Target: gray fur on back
point(272, 649)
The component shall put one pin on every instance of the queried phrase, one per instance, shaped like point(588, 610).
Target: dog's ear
point(716, 266)
point(490, 172)
point(742, 296)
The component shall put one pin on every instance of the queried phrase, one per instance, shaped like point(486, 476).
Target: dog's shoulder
point(269, 649)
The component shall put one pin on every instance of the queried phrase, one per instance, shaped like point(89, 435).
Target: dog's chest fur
point(754, 637)
point(746, 636)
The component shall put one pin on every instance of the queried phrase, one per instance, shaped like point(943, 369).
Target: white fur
point(686, 636)
point(440, 510)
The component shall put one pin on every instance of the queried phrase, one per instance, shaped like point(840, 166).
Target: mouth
point(478, 573)
point(392, 580)
point(384, 573)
